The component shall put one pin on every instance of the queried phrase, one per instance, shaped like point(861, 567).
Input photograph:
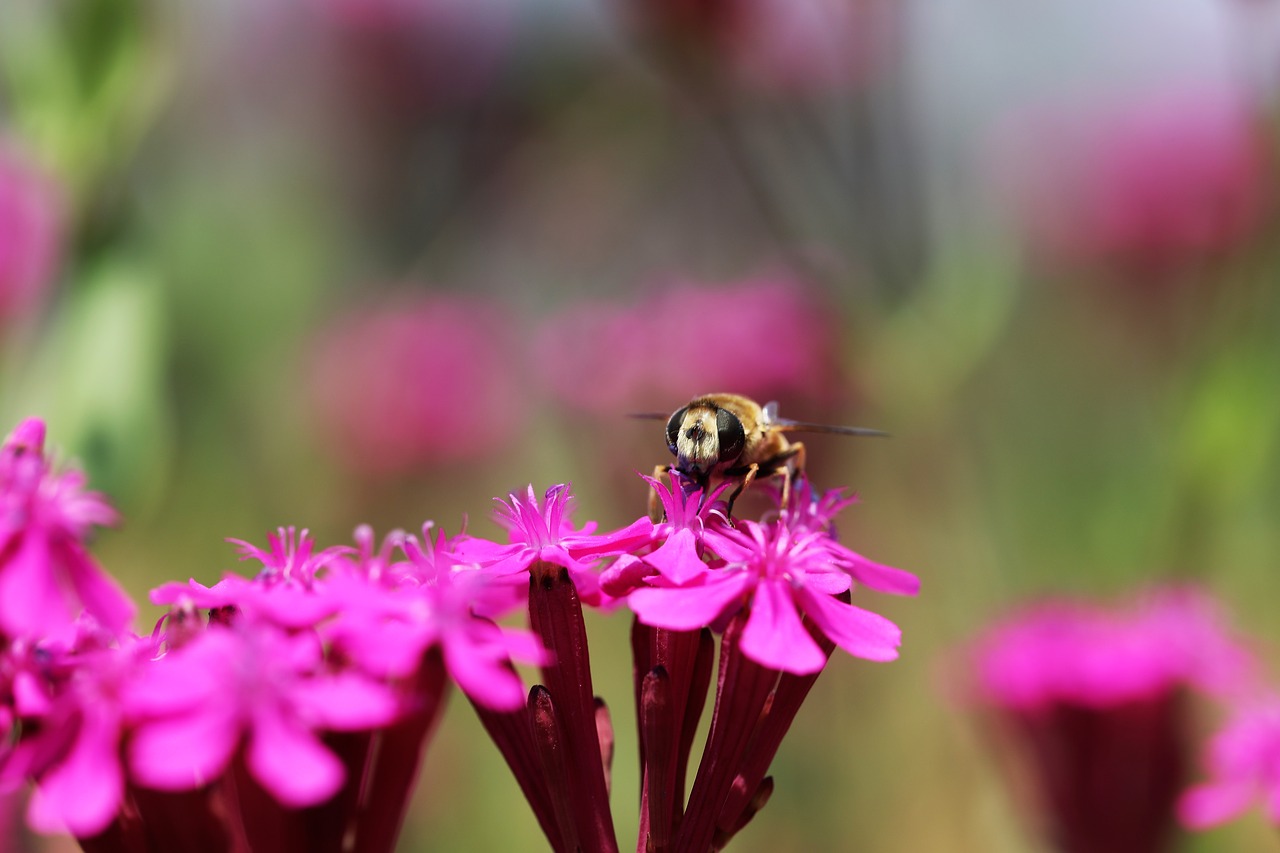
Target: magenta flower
point(1148, 183)
point(812, 512)
point(1083, 654)
point(31, 222)
point(417, 381)
point(284, 592)
point(1244, 768)
point(1092, 700)
point(79, 719)
point(543, 531)
point(688, 519)
point(387, 629)
point(250, 684)
point(782, 575)
point(657, 349)
point(46, 575)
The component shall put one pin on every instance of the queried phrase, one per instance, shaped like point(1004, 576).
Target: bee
point(719, 437)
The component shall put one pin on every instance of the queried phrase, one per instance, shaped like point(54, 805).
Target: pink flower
point(1153, 182)
point(783, 575)
point(46, 575)
point(543, 531)
point(1244, 766)
point(387, 626)
point(256, 684)
point(812, 512)
point(417, 381)
point(284, 591)
point(657, 346)
point(1092, 699)
point(688, 519)
point(1084, 654)
point(78, 719)
point(30, 234)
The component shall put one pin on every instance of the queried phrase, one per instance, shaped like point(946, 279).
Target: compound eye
point(730, 434)
point(673, 428)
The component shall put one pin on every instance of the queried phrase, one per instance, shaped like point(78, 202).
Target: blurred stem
point(714, 101)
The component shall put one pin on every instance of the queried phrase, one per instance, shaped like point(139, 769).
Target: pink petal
point(345, 701)
point(828, 583)
point(382, 649)
point(290, 761)
point(859, 632)
point(291, 606)
point(98, 592)
point(83, 793)
point(775, 637)
point(677, 558)
point(688, 607)
point(524, 646)
point(877, 576)
point(485, 680)
point(31, 602)
point(629, 538)
point(30, 694)
point(1205, 806)
point(185, 752)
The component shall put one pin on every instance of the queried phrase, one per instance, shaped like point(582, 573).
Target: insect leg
point(793, 470)
point(747, 478)
point(661, 473)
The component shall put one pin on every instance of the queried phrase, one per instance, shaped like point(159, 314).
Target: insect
point(718, 437)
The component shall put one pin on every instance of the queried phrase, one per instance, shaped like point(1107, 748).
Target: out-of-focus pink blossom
point(1092, 700)
point(1147, 182)
point(30, 233)
point(255, 682)
point(74, 755)
point(1244, 766)
point(417, 381)
point(761, 337)
point(46, 576)
point(1094, 656)
point(387, 624)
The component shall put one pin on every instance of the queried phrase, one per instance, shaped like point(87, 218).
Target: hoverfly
point(718, 437)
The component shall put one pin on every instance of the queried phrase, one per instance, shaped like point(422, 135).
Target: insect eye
point(730, 434)
point(673, 428)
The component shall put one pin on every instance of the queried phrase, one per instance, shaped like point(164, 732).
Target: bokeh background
point(322, 262)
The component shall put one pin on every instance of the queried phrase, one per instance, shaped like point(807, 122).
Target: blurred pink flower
point(46, 575)
point(759, 337)
point(30, 234)
point(1147, 182)
point(1094, 656)
point(1092, 701)
point(1244, 765)
point(254, 682)
point(417, 381)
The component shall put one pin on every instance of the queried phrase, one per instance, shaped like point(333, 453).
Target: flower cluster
point(289, 710)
